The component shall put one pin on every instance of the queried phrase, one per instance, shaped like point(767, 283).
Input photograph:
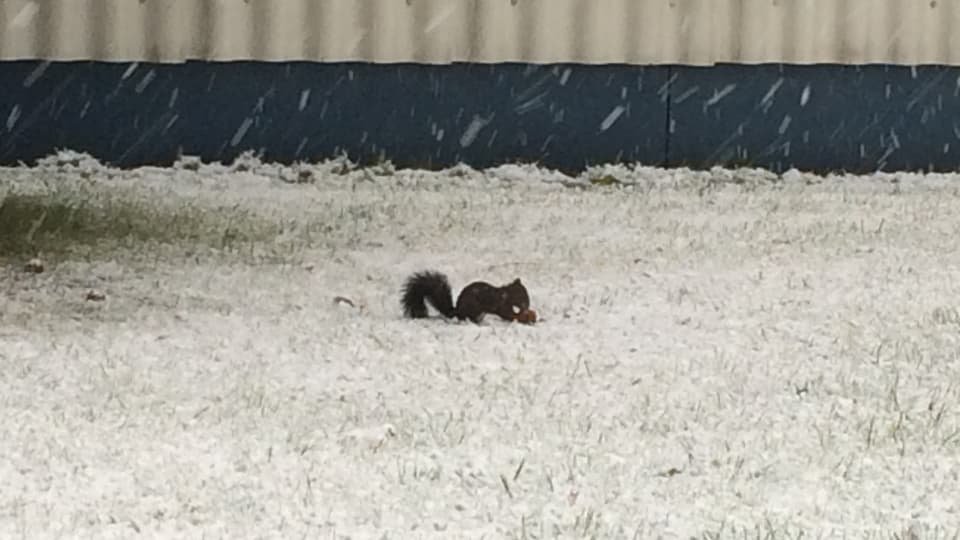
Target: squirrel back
point(475, 300)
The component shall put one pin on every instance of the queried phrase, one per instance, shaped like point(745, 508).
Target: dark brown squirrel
point(475, 300)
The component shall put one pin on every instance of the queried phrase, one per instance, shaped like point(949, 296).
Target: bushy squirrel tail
point(430, 286)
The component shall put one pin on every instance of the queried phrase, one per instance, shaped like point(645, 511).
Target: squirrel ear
point(517, 281)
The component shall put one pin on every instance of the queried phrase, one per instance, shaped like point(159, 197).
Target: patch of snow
point(727, 353)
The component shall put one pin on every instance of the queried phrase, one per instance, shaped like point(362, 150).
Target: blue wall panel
point(858, 118)
point(564, 116)
point(413, 114)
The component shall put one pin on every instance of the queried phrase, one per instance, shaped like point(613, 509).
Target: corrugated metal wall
point(700, 32)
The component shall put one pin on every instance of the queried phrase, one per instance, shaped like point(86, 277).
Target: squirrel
point(510, 302)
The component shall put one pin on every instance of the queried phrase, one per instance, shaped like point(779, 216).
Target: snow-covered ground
point(721, 355)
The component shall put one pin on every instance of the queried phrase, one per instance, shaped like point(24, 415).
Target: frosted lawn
point(720, 353)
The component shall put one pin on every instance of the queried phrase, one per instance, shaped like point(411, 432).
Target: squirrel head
point(516, 297)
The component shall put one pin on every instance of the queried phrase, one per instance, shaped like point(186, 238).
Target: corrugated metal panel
point(438, 31)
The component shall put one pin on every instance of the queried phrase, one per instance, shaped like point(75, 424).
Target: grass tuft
point(60, 222)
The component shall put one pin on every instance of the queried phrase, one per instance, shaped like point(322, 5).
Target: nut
point(528, 316)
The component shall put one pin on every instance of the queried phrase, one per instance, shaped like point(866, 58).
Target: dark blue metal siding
point(855, 118)
point(565, 116)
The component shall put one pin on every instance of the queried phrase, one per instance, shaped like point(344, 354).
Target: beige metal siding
point(699, 32)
